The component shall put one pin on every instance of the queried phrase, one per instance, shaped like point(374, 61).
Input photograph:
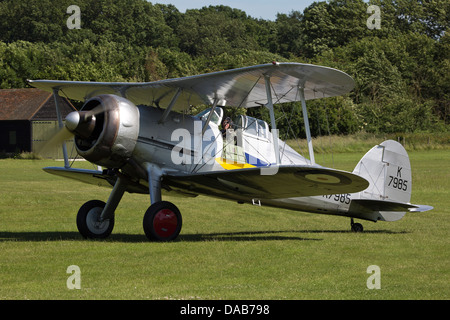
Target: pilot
point(228, 133)
point(227, 124)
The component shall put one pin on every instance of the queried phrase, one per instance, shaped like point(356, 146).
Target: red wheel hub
point(165, 223)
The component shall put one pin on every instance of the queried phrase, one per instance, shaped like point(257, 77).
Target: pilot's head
point(226, 123)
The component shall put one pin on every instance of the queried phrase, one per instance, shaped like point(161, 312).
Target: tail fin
point(388, 170)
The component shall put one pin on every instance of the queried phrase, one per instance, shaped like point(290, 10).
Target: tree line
point(401, 69)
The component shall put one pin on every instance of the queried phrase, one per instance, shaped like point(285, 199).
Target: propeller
point(79, 123)
point(55, 141)
point(96, 130)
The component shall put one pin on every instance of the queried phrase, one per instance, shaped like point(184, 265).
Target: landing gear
point(89, 223)
point(95, 219)
point(162, 221)
point(356, 227)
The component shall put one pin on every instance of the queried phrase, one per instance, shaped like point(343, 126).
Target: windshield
point(253, 126)
point(216, 117)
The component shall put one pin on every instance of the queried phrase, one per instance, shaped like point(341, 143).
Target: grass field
point(225, 250)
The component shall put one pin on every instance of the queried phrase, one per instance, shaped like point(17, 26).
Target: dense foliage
point(402, 70)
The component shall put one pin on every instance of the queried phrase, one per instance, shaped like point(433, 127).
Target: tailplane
point(388, 170)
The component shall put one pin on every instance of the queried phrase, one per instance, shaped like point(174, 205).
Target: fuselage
point(181, 143)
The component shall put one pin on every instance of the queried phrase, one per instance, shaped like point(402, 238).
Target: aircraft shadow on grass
point(266, 235)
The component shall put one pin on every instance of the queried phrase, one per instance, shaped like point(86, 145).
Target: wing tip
point(421, 208)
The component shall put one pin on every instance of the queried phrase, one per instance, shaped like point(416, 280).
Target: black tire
point(88, 224)
point(357, 227)
point(162, 222)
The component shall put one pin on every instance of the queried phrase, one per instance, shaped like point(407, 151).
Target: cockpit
point(248, 125)
point(253, 126)
point(249, 142)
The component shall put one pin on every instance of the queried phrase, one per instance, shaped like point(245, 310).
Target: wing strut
point(61, 125)
point(170, 106)
point(216, 101)
point(273, 124)
point(301, 91)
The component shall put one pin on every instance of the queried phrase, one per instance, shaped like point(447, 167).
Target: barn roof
point(30, 104)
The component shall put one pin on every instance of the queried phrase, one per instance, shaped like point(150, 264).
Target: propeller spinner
point(81, 123)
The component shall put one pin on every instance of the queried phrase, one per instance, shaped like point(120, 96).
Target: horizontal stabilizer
point(374, 210)
point(421, 208)
point(382, 205)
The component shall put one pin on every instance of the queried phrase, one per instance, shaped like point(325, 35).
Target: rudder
point(388, 170)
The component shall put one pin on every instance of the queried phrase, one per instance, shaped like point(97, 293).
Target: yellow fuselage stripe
point(231, 165)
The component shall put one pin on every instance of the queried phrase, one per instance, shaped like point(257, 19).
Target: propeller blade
point(56, 141)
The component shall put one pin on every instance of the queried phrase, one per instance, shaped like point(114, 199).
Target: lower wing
point(252, 183)
point(239, 184)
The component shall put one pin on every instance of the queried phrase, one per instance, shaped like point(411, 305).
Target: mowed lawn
point(225, 250)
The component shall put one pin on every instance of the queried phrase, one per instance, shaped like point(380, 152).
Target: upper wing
point(243, 87)
point(289, 182)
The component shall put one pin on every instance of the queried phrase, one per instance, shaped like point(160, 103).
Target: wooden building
point(28, 120)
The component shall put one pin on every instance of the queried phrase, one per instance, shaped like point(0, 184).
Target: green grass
point(362, 142)
point(225, 250)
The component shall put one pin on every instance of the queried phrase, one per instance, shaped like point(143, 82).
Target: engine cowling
point(106, 130)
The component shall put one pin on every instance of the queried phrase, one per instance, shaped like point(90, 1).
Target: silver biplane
point(144, 142)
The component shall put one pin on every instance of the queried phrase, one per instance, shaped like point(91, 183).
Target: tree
point(327, 25)
point(430, 18)
point(212, 31)
point(402, 71)
point(32, 20)
point(288, 34)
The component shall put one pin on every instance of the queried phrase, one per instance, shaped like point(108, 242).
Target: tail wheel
point(356, 227)
point(88, 221)
point(162, 221)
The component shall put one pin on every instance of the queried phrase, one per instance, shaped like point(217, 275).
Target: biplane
point(143, 141)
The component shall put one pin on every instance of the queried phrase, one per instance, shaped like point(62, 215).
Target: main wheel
point(88, 221)
point(162, 221)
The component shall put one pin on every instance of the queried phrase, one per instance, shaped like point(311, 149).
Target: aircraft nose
point(72, 120)
point(81, 123)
